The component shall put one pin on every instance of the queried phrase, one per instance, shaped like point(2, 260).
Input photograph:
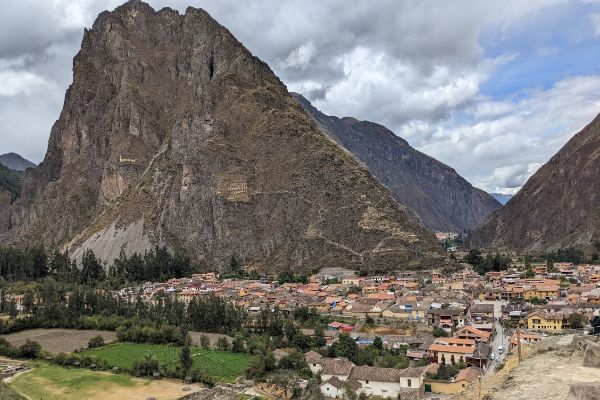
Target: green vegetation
point(8, 393)
point(10, 181)
point(221, 365)
point(497, 262)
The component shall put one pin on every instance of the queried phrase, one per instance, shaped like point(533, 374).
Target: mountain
point(173, 134)
point(559, 206)
point(15, 162)
point(502, 198)
point(441, 197)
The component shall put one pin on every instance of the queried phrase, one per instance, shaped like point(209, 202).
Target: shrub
point(95, 342)
point(30, 349)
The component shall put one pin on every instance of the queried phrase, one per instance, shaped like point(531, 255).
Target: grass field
point(221, 365)
point(50, 382)
point(8, 393)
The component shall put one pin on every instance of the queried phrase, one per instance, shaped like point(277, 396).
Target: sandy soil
point(58, 340)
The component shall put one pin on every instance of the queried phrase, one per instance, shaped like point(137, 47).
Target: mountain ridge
point(433, 190)
point(559, 206)
point(15, 162)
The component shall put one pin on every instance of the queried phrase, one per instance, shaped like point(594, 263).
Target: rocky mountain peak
point(174, 134)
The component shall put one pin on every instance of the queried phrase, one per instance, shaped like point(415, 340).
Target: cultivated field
point(58, 340)
point(55, 383)
point(223, 366)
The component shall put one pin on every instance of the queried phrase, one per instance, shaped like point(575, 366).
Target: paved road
point(502, 338)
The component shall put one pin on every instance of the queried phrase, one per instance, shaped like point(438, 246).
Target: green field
point(221, 365)
point(50, 382)
point(7, 393)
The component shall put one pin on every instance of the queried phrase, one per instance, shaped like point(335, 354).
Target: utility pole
point(479, 395)
point(519, 343)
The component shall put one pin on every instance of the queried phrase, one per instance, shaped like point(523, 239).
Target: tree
point(222, 344)
point(474, 257)
point(147, 366)
point(185, 359)
point(288, 380)
point(378, 343)
point(577, 321)
point(30, 349)
point(237, 346)
point(439, 332)
point(204, 342)
point(345, 347)
point(95, 342)
point(320, 340)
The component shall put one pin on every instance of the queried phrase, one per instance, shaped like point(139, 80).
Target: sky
point(491, 88)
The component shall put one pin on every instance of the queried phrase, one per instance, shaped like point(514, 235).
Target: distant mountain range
point(15, 162)
point(502, 198)
point(443, 199)
point(559, 206)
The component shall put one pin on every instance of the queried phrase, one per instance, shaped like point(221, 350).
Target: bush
point(204, 342)
point(95, 342)
point(30, 349)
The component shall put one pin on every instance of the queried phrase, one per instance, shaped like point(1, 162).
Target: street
point(499, 339)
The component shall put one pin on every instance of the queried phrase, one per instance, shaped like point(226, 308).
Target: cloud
point(419, 67)
point(512, 138)
point(596, 23)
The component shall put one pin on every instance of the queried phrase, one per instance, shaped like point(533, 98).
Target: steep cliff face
point(443, 199)
point(172, 133)
point(559, 206)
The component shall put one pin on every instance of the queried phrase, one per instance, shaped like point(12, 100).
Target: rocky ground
point(547, 372)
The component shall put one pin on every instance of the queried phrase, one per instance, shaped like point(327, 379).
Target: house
point(547, 321)
point(470, 332)
point(363, 310)
point(457, 384)
point(340, 327)
point(550, 292)
point(452, 350)
point(407, 312)
point(338, 367)
point(335, 388)
point(314, 361)
point(387, 383)
point(482, 311)
point(527, 338)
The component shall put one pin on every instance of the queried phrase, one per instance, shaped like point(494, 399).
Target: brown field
point(58, 340)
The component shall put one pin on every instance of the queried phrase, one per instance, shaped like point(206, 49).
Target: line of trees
point(34, 263)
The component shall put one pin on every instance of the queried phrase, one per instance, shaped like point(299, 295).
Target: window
point(314, 365)
point(367, 382)
point(409, 383)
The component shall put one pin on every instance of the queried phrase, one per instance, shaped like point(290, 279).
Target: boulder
point(591, 356)
point(584, 391)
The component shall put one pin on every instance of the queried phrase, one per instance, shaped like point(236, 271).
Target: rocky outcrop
point(173, 132)
point(434, 191)
point(559, 206)
point(584, 391)
point(591, 355)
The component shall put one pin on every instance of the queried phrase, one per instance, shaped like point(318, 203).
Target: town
point(451, 328)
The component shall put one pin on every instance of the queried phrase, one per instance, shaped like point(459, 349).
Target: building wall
point(446, 387)
point(386, 390)
point(330, 391)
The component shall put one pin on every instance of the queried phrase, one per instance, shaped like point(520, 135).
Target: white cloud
point(12, 83)
point(596, 22)
point(512, 139)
